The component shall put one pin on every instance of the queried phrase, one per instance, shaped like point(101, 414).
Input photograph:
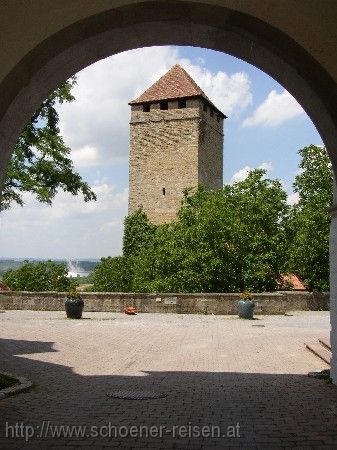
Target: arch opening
point(184, 23)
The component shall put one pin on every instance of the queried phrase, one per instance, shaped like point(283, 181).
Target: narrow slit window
point(182, 103)
point(205, 107)
point(146, 107)
point(211, 112)
point(164, 105)
point(164, 191)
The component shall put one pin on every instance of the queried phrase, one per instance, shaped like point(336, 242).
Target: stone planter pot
point(74, 308)
point(246, 309)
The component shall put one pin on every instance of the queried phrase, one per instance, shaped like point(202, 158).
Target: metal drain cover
point(136, 395)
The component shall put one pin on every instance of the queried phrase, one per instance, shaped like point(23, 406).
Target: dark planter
point(74, 308)
point(246, 309)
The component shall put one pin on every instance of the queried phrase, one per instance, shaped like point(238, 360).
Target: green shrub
point(222, 241)
point(138, 233)
point(112, 275)
point(39, 276)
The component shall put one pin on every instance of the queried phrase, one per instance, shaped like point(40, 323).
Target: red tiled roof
point(294, 281)
point(176, 83)
point(3, 287)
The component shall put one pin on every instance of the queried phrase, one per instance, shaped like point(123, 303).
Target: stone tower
point(176, 141)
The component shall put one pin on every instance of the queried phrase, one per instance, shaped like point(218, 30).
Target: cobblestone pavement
point(244, 380)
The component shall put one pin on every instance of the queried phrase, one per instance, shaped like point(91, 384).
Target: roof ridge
point(175, 83)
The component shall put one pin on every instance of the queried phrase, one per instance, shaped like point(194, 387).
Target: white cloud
point(96, 124)
point(276, 109)
point(242, 174)
point(96, 127)
point(230, 93)
point(293, 198)
point(85, 157)
point(68, 229)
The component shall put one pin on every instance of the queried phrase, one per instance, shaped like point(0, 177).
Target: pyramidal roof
point(176, 83)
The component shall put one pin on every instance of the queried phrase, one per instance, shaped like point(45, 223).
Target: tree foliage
point(40, 163)
point(309, 222)
point(243, 236)
point(138, 233)
point(112, 275)
point(223, 241)
point(240, 237)
point(39, 276)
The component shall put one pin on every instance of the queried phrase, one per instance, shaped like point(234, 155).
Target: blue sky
point(265, 128)
point(255, 145)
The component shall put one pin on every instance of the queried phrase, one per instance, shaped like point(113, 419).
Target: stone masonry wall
point(266, 303)
point(171, 150)
point(210, 159)
point(163, 155)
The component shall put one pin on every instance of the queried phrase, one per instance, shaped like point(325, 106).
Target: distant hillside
point(5, 264)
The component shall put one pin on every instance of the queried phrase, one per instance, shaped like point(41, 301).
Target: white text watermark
point(47, 430)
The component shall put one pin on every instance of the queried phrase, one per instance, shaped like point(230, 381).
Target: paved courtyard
point(228, 382)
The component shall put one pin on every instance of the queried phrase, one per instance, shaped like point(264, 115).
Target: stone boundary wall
point(266, 303)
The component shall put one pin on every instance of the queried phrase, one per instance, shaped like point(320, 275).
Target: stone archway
point(93, 34)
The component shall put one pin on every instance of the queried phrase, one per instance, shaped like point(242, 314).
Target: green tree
point(309, 223)
point(223, 241)
point(112, 275)
point(138, 232)
point(39, 276)
point(40, 163)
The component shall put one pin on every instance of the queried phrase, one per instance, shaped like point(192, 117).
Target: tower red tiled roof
point(176, 83)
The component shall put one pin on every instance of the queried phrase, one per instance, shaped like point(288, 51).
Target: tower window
point(164, 105)
point(146, 107)
point(181, 103)
point(164, 191)
point(205, 107)
point(211, 112)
